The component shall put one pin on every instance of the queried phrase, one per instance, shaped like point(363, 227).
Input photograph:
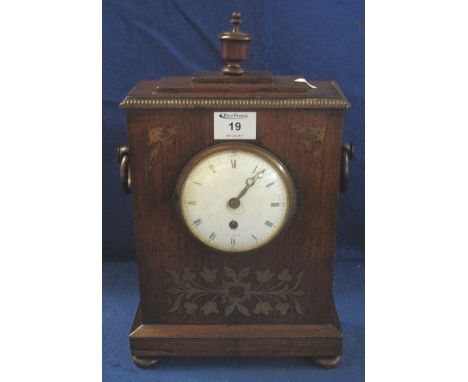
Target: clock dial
point(235, 197)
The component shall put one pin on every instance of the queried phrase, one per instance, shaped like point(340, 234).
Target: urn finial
point(234, 47)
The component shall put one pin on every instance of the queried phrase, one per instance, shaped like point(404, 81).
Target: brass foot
point(327, 362)
point(144, 363)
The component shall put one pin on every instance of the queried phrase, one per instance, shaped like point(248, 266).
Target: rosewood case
point(171, 120)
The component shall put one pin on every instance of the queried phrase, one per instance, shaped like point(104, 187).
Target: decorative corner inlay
point(212, 291)
point(312, 138)
point(158, 138)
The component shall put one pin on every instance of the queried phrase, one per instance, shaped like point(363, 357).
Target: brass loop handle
point(125, 177)
point(347, 154)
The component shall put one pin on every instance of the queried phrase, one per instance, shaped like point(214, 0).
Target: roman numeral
point(192, 203)
point(197, 183)
point(212, 168)
point(254, 237)
point(275, 204)
point(233, 241)
point(268, 223)
point(270, 184)
point(233, 163)
point(197, 222)
point(212, 236)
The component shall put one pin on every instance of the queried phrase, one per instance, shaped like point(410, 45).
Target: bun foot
point(144, 363)
point(327, 362)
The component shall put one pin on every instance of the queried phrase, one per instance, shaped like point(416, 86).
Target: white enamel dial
point(235, 197)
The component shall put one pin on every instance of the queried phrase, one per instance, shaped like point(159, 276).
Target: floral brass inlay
point(312, 138)
point(256, 292)
point(158, 138)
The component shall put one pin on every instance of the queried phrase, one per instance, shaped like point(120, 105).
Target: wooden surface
point(309, 143)
point(163, 245)
point(218, 77)
point(277, 87)
point(201, 85)
point(234, 340)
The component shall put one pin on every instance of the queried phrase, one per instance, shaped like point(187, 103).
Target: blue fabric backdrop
point(148, 39)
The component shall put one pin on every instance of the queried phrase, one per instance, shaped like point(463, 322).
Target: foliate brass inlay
point(158, 138)
point(312, 138)
point(254, 103)
point(222, 292)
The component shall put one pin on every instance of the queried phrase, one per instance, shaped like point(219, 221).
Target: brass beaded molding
point(191, 103)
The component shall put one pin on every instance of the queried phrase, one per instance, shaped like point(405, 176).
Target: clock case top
point(257, 90)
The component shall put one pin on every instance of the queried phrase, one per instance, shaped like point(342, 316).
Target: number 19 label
point(235, 125)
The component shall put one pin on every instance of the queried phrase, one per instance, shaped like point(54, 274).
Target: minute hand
point(250, 182)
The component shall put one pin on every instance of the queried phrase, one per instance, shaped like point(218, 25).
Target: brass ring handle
point(125, 177)
point(347, 154)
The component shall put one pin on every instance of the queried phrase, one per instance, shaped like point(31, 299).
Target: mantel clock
point(235, 178)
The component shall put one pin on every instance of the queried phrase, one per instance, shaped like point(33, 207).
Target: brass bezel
point(239, 146)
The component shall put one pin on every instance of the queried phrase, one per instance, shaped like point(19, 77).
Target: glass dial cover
point(235, 197)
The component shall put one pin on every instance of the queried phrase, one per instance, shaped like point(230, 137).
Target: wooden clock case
point(276, 301)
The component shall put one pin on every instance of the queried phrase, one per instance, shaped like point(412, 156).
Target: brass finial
point(236, 20)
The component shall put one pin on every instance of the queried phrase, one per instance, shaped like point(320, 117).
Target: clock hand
point(249, 182)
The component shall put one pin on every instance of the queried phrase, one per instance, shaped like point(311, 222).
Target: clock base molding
point(322, 342)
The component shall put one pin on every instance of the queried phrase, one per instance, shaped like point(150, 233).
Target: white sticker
point(235, 125)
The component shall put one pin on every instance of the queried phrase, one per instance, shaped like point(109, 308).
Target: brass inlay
point(223, 292)
point(204, 103)
point(158, 138)
point(312, 138)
